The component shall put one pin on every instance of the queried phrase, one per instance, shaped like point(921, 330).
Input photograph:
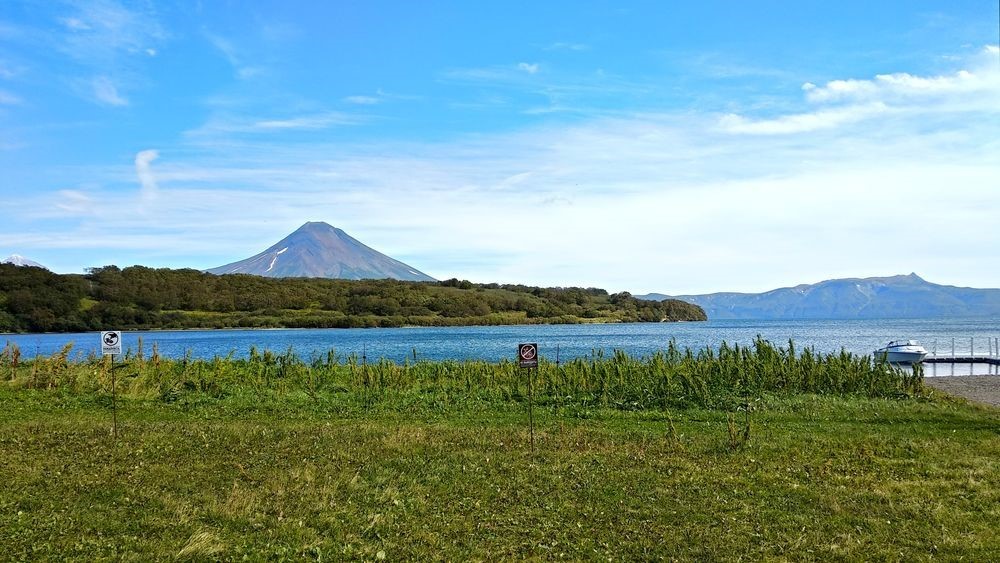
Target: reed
point(10, 356)
point(724, 378)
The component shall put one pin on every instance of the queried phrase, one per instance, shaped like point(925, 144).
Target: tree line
point(137, 297)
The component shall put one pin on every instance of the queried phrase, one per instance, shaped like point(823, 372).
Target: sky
point(671, 147)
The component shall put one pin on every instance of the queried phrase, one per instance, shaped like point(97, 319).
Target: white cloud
point(803, 122)
point(981, 79)
point(150, 190)
point(106, 92)
point(102, 32)
point(74, 202)
point(75, 24)
point(10, 31)
point(850, 101)
point(591, 93)
point(248, 72)
point(565, 46)
point(530, 68)
point(315, 121)
point(362, 100)
point(244, 70)
point(223, 125)
point(107, 39)
point(897, 85)
point(8, 99)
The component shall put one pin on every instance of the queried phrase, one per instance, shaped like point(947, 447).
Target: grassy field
point(331, 460)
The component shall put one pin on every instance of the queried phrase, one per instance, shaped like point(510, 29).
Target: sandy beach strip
point(977, 388)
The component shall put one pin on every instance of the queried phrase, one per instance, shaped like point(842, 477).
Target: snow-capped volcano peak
point(318, 250)
point(18, 260)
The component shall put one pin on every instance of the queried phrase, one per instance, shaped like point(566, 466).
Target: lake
point(568, 341)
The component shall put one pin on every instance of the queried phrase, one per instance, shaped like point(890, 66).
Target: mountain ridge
point(319, 250)
point(899, 296)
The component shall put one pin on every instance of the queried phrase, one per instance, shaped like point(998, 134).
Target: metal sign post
point(111, 345)
point(527, 358)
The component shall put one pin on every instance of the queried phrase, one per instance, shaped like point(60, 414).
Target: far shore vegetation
point(141, 298)
point(759, 452)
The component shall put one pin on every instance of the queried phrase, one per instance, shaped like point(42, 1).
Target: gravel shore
point(978, 388)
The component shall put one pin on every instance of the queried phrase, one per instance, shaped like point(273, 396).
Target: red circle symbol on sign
point(528, 352)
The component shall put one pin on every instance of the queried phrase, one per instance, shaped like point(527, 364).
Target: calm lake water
point(494, 343)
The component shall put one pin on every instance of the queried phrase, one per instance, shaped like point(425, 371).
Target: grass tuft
point(201, 544)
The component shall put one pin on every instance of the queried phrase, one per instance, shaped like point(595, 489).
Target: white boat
point(902, 352)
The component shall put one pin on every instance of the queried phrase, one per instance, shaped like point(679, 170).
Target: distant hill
point(318, 250)
point(852, 298)
point(18, 260)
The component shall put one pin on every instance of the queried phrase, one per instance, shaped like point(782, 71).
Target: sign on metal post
point(111, 343)
point(527, 355)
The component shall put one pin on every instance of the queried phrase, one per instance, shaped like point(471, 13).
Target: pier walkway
point(962, 359)
point(991, 356)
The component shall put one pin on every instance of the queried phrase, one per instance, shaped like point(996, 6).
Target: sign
point(527, 355)
point(111, 342)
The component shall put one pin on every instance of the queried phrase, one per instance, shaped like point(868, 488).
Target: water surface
point(568, 341)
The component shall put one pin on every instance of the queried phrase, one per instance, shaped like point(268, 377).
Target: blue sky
point(678, 147)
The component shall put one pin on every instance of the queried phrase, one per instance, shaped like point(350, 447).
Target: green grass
point(226, 460)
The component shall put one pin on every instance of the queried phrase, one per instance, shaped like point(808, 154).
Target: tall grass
point(725, 377)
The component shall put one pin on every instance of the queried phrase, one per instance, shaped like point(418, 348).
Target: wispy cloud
point(530, 68)
point(316, 121)
point(6, 71)
point(231, 53)
point(74, 202)
point(802, 122)
point(99, 47)
point(362, 100)
point(8, 99)
point(143, 161)
point(223, 124)
point(106, 92)
point(75, 24)
point(484, 74)
point(101, 32)
point(591, 92)
point(722, 65)
point(566, 46)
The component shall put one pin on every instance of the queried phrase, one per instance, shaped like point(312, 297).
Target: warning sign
point(111, 342)
point(527, 355)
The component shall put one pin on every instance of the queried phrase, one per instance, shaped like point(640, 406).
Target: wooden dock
point(969, 356)
point(966, 359)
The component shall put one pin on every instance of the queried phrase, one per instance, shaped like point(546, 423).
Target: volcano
point(319, 250)
point(18, 260)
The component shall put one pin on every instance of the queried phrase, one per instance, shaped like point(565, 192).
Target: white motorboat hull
point(900, 353)
point(894, 357)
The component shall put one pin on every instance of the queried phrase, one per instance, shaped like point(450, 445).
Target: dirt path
point(979, 388)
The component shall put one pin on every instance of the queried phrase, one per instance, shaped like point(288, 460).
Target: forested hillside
point(36, 300)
